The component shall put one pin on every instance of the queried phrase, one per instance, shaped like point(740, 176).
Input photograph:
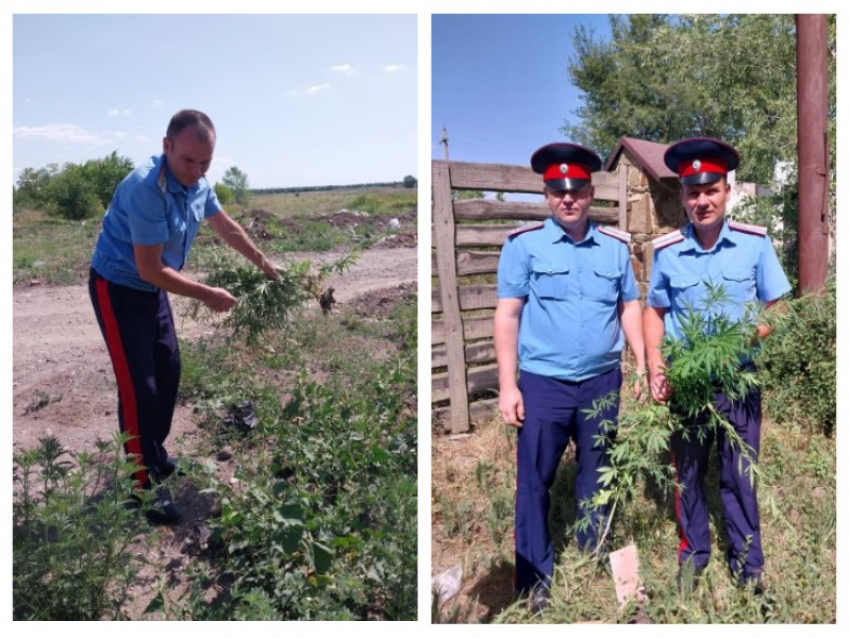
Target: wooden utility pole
point(812, 152)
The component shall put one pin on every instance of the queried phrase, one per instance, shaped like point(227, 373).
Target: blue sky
point(500, 83)
point(297, 100)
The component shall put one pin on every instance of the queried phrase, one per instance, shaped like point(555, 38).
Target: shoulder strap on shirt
point(668, 240)
point(161, 180)
point(524, 229)
point(616, 233)
point(752, 229)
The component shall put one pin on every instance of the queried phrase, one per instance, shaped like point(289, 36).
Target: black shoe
point(169, 467)
point(539, 601)
point(688, 577)
point(163, 510)
point(752, 584)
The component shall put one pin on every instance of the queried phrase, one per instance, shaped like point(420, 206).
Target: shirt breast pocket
point(176, 224)
point(740, 284)
point(549, 283)
point(604, 284)
point(684, 289)
point(198, 211)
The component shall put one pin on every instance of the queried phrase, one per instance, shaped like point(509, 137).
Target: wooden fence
point(466, 237)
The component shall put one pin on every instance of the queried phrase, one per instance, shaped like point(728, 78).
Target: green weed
point(72, 533)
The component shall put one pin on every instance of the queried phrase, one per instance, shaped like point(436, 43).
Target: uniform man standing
point(150, 225)
point(711, 250)
point(566, 287)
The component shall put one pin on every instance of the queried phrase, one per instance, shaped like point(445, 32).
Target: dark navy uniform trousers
point(554, 414)
point(737, 492)
point(138, 328)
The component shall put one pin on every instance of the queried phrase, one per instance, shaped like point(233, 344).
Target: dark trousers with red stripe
point(554, 414)
point(737, 492)
point(138, 328)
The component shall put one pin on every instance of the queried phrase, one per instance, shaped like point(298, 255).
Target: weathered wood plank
point(479, 412)
point(477, 353)
point(472, 297)
point(489, 209)
point(486, 209)
point(509, 178)
point(444, 239)
point(477, 263)
point(472, 262)
point(478, 380)
point(494, 235)
point(623, 205)
point(473, 328)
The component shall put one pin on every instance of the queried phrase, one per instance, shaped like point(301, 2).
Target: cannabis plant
point(265, 304)
point(72, 533)
point(705, 361)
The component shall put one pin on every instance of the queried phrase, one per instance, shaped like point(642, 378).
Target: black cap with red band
point(701, 160)
point(565, 166)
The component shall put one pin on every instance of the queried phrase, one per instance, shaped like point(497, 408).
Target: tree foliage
point(103, 175)
point(224, 194)
point(237, 182)
point(75, 191)
point(666, 77)
point(409, 181)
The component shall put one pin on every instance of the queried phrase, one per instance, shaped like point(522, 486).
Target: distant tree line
point(408, 182)
point(79, 191)
point(74, 191)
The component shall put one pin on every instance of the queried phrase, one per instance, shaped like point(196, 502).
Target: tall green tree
point(666, 77)
point(104, 174)
point(32, 188)
point(237, 182)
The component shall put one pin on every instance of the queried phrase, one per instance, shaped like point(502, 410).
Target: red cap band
point(567, 171)
point(702, 165)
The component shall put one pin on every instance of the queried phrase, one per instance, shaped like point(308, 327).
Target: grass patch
point(51, 250)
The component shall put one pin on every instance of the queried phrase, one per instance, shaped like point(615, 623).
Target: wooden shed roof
point(649, 154)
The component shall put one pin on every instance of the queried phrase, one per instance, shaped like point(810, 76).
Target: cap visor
point(701, 178)
point(566, 184)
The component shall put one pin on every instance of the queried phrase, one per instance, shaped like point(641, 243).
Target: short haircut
point(190, 117)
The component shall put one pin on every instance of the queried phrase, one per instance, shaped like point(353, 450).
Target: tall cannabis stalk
point(705, 361)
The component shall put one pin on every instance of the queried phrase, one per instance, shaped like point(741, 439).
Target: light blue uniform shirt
point(151, 207)
point(570, 324)
point(744, 263)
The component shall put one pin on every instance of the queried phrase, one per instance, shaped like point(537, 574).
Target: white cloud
point(317, 88)
point(115, 112)
point(293, 92)
point(390, 68)
point(61, 133)
point(156, 104)
point(347, 69)
point(141, 138)
point(120, 135)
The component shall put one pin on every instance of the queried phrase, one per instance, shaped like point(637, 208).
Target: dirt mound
point(379, 303)
point(402, 240)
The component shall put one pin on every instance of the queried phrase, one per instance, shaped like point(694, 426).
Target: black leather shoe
point(168, 468)
point(752, 584)
point(688, 577)
point(539, 601)
point(163, 510)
